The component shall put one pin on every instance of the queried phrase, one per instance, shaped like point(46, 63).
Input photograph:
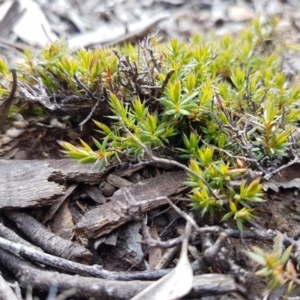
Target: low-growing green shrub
point(223, 105)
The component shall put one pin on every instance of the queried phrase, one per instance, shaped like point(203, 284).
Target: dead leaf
point(33, 27)
point(276, 185)
point(240, 13)
point(287, 178)
point(53, 209)
point(95, 193)
point(174, 285)
point(219, 101)
point(112, 37)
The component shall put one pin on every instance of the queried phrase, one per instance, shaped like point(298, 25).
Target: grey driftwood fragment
point(109, 216)
point(29, 183)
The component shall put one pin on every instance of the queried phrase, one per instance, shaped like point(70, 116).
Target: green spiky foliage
point(222, 104)
point(226, 99)
point(276, 265)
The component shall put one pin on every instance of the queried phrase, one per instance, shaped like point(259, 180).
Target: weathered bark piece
point(95, 193)
point(47, 240)
point(29, 275)
point(129, 249)
point(117, 181)
point(30, 182)
point(25, 183)
point(109, 239)
point(6, 293)
point(71, 170)
point(109, 216)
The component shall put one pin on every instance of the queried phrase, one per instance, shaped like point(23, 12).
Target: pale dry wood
point(40, 182)
point(214, 284)
point(109, 216)
point(6, 293)
point(25, 183)
point(33, 26)
point(11, 17)
point(118, 36)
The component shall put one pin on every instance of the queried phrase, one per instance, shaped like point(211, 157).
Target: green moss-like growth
point(224, 104)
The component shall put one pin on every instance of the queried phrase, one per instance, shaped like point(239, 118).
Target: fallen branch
point(47, 240)
point(77, 268)
point(29, 275)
